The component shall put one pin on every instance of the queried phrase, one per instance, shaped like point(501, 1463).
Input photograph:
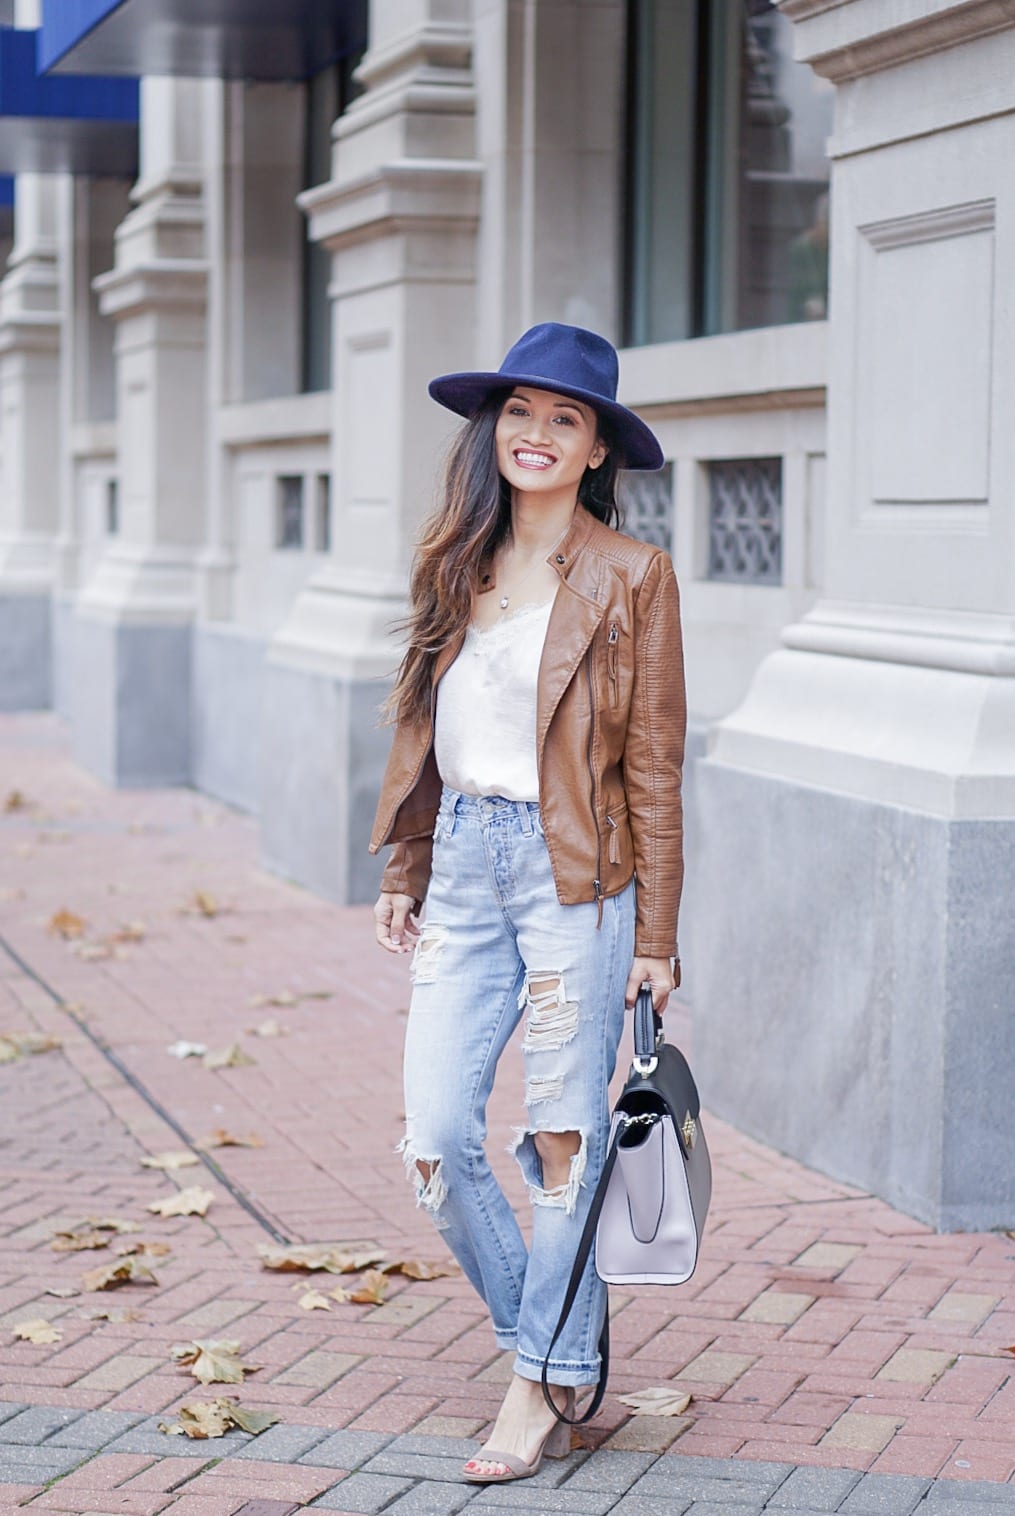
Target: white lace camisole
point(485, 733)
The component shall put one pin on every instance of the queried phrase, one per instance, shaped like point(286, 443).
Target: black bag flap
point(670, 1085)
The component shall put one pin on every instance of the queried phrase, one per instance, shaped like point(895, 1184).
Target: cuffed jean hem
point(557, 1373)
point(507, 1340)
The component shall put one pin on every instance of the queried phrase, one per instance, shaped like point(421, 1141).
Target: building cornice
point(845, 39)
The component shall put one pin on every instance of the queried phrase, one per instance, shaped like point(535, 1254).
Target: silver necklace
point(506, 599)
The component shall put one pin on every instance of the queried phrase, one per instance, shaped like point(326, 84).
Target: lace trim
point(525, 609)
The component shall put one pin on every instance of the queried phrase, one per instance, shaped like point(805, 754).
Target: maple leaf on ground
point(63, 1291)
point(371, 1289)
point(333, 1257)
point(67, 925)
point(201, 1419)
point(16, 801)
point(313, 1300)
point(281, 998)
point(213, 1362)
point(190, 1202)
point(179, 1159)
point(420, 1268)
point(202, 903)
point(144, 1250)
point(130, 931)
point(78, 1242)
point(38, 1331)
point(232, 1057)
point(111, 1313)
point(8, 1051)
point(14, 1045)
point(661, 1400)
point(269, 1028)
point(109, 1276)
point(220, 1138)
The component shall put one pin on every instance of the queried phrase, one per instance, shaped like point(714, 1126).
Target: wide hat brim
point(636, 442)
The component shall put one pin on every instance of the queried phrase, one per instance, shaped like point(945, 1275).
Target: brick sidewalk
point(827, 1340)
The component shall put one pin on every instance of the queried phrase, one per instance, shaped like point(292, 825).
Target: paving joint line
point(238, 1193)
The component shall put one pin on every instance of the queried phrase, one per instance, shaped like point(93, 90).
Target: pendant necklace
point(505, 599)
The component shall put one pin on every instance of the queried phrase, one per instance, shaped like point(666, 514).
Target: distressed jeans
point(496, 947)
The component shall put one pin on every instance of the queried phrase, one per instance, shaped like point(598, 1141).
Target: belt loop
point(525, 816)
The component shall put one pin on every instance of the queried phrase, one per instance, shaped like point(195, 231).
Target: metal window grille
point(112, 506)
point(646, 501)
point(745, 521)
point(289, 520)
point(323, 542)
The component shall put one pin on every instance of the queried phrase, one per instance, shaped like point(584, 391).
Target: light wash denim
point(497, 946)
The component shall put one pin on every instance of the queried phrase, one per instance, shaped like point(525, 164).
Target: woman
point(535, 770)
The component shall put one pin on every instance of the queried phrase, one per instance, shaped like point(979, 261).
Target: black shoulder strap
point(588, 1238)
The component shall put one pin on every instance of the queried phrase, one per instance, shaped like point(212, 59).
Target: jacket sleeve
point(407, 871)
point(653, 762)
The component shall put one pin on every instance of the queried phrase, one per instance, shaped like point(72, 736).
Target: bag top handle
point(648, 1032)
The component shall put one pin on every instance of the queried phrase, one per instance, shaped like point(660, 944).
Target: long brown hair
point(461, 536)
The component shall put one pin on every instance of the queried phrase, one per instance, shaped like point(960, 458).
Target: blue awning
point(48, 125)
point(231, 39)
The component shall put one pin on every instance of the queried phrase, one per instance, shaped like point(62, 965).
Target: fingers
point(394, 927)
point(657, 974)
point(633, 986)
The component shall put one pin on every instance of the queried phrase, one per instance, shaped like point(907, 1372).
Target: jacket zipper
point(597, 886)
point(614, 850)
point(611, 659)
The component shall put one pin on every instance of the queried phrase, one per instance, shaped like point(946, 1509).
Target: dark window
point(646, 503)
point(112, 506)
point(327, 95)
point(323, 543)
point(727, 171)
point(745, 521)
point(289, 514)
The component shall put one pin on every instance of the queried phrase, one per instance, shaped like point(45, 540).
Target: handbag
point(649, 1208)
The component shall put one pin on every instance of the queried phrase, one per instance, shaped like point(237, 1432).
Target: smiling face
point(545, 441)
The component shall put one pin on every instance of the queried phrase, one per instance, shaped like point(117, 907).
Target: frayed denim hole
point(426, 958)
point(553, 1019)
point(565, 1196)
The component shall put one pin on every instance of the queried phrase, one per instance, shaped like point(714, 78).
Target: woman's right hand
point(395, 929)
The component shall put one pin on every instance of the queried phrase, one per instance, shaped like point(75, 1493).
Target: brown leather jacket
point(611, 714)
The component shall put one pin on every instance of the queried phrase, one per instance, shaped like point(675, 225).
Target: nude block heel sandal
point(556, 1444)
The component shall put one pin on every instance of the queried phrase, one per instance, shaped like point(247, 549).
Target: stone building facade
point(795, 219)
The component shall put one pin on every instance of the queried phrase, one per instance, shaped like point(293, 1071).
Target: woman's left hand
point(658, 972)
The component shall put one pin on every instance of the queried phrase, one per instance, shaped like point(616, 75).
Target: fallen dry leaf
point(371, 1289)
point(282, 998)
point(419, 1268)
point(212, 1362)
point(339, 1294)
point(93, 952)
point(269, 1028)
point(63, 1291)
point(187, 1049)
point(313, 1300)
point(67, 925)
point(333, 1257)
point(14, 1045)
point(220, 1138)
point(204, 904)
point(232, 1057)
point(144, 1250)
point(661, 1400)
point(201, 1419)
point(16, 801)
point(130, 931)
point(38, 1330)
point(109, 1276)
point(180, 1159)
point(190, 1202)
point(111, 1313)
point(79, 1242)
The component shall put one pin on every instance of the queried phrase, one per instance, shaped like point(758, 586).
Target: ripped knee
point(552, 1018)
point(542, 1156)
point(426, 958)
point(427, 1175)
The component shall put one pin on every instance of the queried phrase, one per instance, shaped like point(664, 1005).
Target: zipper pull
point(597, 892)
point(614, 852)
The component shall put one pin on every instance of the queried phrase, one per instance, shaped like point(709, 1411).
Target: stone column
point(855, 950)
point(399, 218)
point(29, 395)
point(132, 712)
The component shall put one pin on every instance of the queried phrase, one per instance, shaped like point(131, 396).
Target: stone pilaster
point(29, 406)
point(135, 611)
point(399, 218)
point(859, 807)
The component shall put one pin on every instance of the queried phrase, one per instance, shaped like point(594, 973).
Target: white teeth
point(539, 460)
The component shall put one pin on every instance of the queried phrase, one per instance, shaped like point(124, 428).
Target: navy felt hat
point(567, 360)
